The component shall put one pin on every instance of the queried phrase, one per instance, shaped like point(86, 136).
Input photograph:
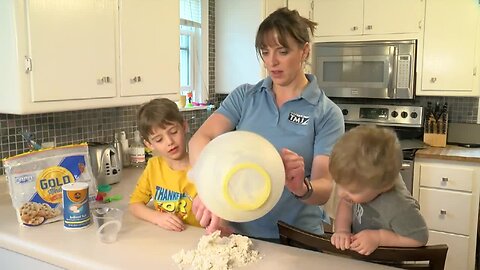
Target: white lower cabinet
point(457, 249)
point(448, 194)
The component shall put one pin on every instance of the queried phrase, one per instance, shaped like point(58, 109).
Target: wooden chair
point(427, 257)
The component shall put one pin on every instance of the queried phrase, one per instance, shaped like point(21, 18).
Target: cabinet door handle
point(136, 79)
point(354, 28)
point(444, 179)
point(443, 212)
point(28, 64)
point(104, 79)
point(369, 27)
point(433, 79)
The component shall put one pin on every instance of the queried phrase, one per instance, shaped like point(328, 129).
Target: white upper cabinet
point(449, 59)
point(63, 55)
point(272, 5)
point(367, 17)
point(71, 49)
point(149, 47)
point(304, 7)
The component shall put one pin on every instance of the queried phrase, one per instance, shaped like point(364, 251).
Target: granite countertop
point(140, 245)
point(450, 152)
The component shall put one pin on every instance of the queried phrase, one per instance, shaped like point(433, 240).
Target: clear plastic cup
point(108, 223)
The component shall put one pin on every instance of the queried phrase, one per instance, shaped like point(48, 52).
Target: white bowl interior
point(239, 176)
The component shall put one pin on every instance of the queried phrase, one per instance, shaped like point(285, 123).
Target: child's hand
point(169, 221)
point(365, 242)
point(341, 240)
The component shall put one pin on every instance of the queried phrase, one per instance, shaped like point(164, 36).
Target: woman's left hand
point(294, 171)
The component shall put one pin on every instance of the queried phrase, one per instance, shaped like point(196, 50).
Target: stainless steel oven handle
point(406, 166)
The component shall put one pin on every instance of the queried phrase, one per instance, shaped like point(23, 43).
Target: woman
point(288, 109)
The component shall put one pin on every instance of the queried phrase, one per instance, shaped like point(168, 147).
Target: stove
point(406, 121)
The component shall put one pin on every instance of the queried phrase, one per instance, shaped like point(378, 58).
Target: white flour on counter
point(215, 252)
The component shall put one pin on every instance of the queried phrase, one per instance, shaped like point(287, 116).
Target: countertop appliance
point(406, 121)
point(464, 134)
point(366, 69)
point(106, 163)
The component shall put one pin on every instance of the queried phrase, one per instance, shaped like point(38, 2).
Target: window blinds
point(191, 12)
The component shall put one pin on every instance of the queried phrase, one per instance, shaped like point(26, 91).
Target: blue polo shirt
point(308, 125)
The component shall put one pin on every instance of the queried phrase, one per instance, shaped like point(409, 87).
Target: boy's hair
point(367, 156)
point(284, 23)
point(159, 113)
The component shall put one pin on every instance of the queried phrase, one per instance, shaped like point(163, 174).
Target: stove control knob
point(404, 114)
point(344, 111)
point(394, 114)
point(414, 115)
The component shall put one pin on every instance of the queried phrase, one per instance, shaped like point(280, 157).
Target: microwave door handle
point(391, 66)
point(393, 61)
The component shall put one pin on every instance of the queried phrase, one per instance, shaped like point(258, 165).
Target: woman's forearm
point(214, 126)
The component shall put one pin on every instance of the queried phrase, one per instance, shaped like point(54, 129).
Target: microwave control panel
point(403, 71)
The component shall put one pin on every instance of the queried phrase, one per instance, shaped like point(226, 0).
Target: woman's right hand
point(205, 217)
point(169, 221)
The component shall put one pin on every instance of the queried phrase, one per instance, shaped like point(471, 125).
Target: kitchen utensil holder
point(437, 139)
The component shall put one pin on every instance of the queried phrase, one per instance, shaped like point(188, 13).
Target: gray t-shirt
point(395, 210)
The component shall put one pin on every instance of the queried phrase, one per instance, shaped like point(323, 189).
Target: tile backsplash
point(97, 125)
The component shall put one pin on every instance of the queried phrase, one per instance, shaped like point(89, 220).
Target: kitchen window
point(193, 49)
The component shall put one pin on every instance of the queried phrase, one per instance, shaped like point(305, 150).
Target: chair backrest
point(427, 257)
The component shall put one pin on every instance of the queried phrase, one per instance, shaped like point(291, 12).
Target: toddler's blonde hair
point(366, 156)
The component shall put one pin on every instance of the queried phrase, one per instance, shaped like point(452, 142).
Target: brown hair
point(157, 113)
point(367, 156)
point(284, 23)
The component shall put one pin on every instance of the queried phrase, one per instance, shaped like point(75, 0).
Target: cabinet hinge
point(28, 64)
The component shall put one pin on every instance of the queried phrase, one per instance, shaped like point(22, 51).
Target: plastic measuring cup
point(108, 223)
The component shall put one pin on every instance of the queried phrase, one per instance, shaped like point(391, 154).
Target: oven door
point(407, 174)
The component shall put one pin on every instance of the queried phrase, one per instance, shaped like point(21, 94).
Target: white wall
point(236, 23)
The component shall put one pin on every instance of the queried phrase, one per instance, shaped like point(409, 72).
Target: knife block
point(436, 139)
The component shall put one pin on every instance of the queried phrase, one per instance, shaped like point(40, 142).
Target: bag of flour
point(35, 181)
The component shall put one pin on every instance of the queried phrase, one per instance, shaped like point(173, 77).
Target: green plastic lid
point(104, 188)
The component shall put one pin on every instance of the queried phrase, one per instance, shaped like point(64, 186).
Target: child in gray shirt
point(375, 207)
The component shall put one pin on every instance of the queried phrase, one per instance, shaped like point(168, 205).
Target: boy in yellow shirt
point(164, 179)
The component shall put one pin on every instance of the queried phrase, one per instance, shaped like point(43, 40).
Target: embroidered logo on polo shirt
point(298, 118)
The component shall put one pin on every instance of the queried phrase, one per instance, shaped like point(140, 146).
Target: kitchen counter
point(140, 245)
point(450, 152)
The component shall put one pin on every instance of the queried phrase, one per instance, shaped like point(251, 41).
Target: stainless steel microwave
point(366, 69)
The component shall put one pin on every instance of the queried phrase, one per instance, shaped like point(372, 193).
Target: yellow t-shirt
point(170, 190)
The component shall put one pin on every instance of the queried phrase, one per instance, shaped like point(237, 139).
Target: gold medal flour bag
point(35, 181)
